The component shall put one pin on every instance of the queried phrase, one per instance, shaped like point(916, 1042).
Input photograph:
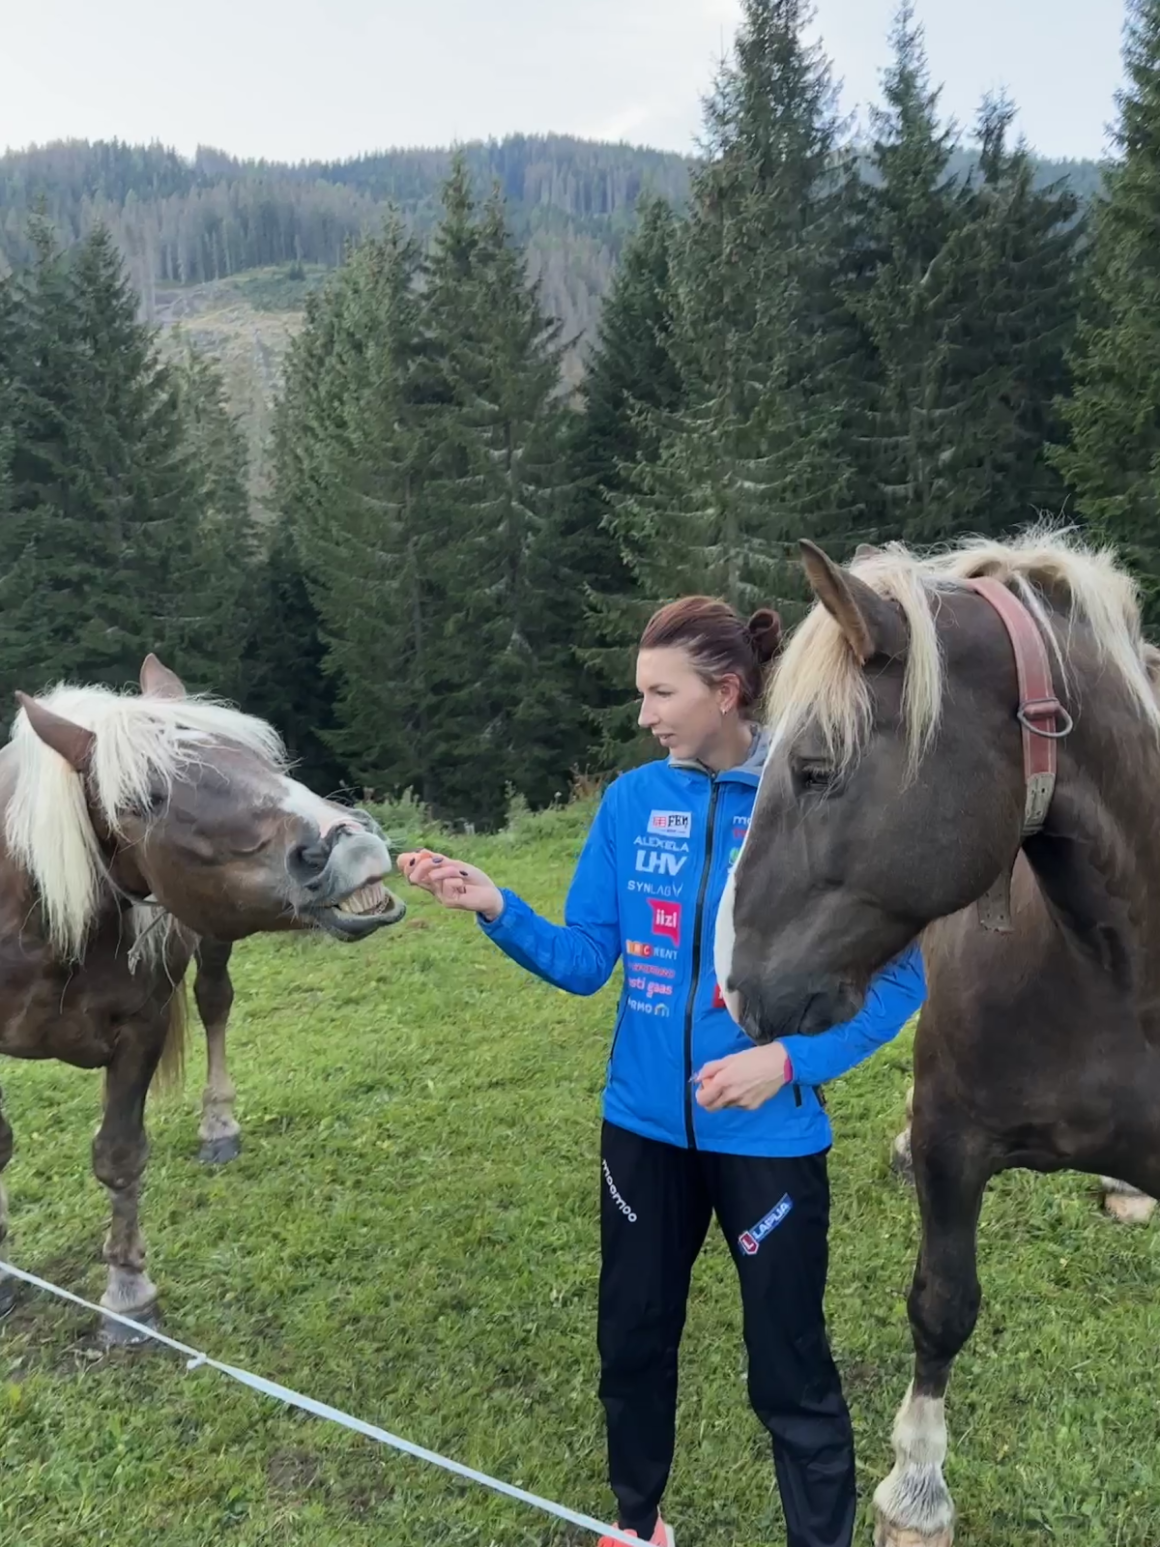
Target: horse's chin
point(369, 909)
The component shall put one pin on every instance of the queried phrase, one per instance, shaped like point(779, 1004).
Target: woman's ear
point(728, 692)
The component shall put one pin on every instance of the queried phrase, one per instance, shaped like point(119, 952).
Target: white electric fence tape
point(270, 1388)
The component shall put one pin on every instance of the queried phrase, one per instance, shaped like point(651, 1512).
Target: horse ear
point(871, 625)
point(74, 743)
point(158, 681)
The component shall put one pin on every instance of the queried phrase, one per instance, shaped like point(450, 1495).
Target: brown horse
point(913, 776)
point(135, 828)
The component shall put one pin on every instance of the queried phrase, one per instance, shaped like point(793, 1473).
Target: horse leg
point(221, 1137)
point(913, 1505)
point(7, 1285)
point(901, 1160)
point(1124, 1203)
point(120, 1153)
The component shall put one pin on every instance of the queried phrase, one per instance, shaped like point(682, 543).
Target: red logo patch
point(666, 920)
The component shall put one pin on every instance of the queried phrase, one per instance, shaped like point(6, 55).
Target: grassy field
point(410, 1234)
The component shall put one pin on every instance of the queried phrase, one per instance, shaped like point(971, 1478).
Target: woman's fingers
point(423, 868)
point(448, 881)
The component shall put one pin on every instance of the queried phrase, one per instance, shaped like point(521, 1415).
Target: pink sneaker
point(661, 1537)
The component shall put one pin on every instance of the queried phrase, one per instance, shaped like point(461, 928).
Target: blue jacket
point(647, 887)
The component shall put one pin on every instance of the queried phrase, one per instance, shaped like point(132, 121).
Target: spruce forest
point(458, 532)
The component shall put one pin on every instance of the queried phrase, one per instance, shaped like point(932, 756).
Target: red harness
point(1044, 720)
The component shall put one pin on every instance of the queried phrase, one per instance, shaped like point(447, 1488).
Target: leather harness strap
point(1043, 718)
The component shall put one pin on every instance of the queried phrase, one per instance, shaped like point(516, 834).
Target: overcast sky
point(299, 79)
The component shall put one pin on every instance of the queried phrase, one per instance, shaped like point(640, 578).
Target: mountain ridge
point(223, 251)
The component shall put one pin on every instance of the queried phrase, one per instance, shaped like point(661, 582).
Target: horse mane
point(142, 745)
point(818, 681)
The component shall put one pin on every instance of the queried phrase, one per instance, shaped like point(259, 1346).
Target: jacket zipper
point(690, 1134)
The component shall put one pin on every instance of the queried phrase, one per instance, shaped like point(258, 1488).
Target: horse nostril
point(309, 860)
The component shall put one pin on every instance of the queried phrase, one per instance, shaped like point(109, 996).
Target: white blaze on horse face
point(723, 946)
point(323, 814)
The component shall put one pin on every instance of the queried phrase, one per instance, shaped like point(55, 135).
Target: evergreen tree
point(350, 467)
point(631, 382)
point(512, 694)
point(753, 458)
point(915, 210)
point(1015, 315)
point(284, 679)
point(420, 463)
point(214, 569)
point(90, 559)
point(1113, 460)
point(969, 306)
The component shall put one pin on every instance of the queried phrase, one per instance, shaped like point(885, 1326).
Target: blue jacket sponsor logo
point(750, 1240)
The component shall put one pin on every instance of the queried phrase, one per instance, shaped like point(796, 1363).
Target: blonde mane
point(819, 682)
point(142, 744)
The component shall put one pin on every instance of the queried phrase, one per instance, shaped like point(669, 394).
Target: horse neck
point(1098, 858)
point(121, 925)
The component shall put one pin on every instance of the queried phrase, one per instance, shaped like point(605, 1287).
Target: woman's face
point(685, 713)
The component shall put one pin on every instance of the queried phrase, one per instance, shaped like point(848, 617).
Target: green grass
point(411, 1234)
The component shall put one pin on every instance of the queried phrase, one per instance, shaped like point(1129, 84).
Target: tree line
point(847, 342)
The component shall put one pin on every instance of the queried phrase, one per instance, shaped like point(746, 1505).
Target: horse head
point(897, 790)
point(187, 802)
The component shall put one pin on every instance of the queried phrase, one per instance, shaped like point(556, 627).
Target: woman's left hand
point(746, 1080)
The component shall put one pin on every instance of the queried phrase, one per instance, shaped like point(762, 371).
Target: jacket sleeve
point(894, 996)
point(579, 955)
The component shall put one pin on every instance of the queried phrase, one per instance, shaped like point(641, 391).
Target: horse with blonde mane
point(136, 830)
point(967, 751)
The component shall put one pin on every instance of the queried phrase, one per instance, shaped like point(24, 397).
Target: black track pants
point(656, 1203)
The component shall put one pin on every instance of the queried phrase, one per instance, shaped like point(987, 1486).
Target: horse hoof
point(219, 1152)
point(1129, 1208)
point(114, 1334)
point(887, 1534)
point(7, 1297)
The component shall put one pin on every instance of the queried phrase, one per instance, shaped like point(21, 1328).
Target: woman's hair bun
point(764, 629)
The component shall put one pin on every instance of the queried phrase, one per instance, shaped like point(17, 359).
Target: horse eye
point(816, 778)
point(153, 803)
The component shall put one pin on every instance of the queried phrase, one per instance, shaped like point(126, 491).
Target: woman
point(697, 1120)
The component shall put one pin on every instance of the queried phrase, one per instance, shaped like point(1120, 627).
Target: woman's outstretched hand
point(453, 883)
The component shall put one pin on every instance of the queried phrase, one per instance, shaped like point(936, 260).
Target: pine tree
point(90, 572)
point(218, 548)
point(420, 465)
point(1113, 460)
point(916, 209)
point(969, 304)
point(284, 679)
point(511, 697)
point(631, 382)
point(1014, 316)
point(351, 467)
point(754, 457)
point(534, 614)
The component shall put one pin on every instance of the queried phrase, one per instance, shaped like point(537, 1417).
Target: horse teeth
point(368, 899)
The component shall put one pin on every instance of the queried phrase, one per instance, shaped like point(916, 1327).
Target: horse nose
point(793, 1003)
point(749, 1007)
